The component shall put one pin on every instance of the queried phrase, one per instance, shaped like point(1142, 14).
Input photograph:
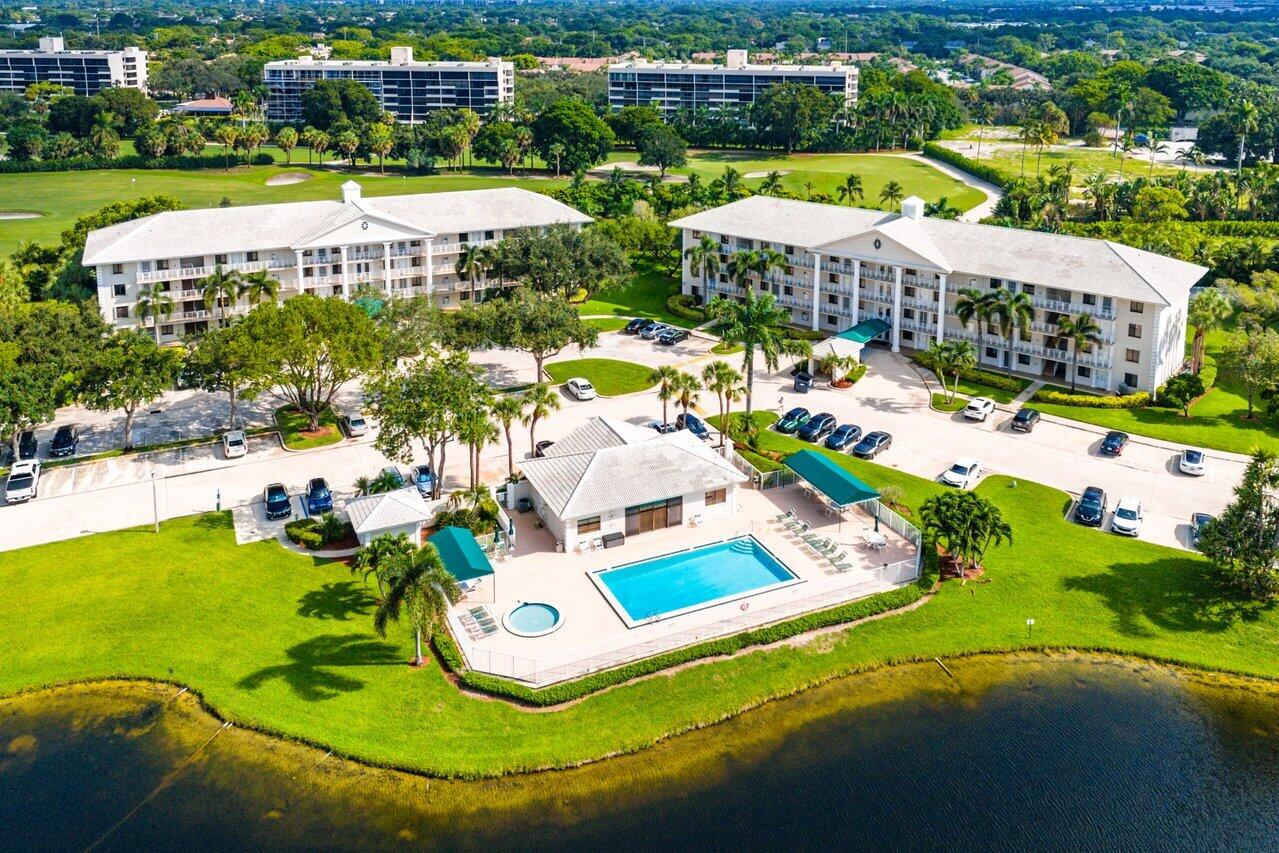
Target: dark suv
point(792, 420)
point(635, 325)
point(28, 447)
point(276, 499)
point(1114, 442)
point(319, 499)
point(1091, 509)
point(818, 427)
point(64, 441)
point(1024, 420)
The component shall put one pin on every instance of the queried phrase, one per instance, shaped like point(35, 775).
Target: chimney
point(350, 192)
point(737, 59)
point(913, 207)
point(52, 44)
point(401, 56)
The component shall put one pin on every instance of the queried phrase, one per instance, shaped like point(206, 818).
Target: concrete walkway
point(1030, 390)
point(993, 193)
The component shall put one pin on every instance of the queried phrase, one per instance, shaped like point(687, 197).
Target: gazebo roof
point(831, 480)
point(462, 555)
point(865, 330)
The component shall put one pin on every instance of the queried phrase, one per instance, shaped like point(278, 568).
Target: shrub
point(305, 533)
point(760, 463)
point(1094, 139)
point(331, 528)
point(1094, 401)
point(975, 374)
point(797, 334)
point(132, 161)
point(478, 523)
point(977, 169)
point(685, 305)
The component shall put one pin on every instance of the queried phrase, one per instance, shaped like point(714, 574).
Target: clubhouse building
point(391, 246)
point(846, 266)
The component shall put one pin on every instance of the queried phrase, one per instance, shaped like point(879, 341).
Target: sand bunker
point(766, 174)
point(19, 214)
point(285, 178)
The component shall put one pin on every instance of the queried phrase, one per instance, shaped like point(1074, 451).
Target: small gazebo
point(839, 488)
point(463, 558)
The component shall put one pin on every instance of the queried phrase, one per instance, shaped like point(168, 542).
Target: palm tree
point(966, 525)
point(1208, 310)
point(686, 387)
point(218, 288)
point(1099, 190)
point(1012, 312)
point(1126, 147)
point(851, 189)
point(951, 357)
point(1243, 119)
point(506, 410)
point(1083, 334)
point(476, 431)
point(153, 302)
point(1156, 147)
point(891, 194)
point(103, 136)
point(555, 151)
point(227, 135)
point(756, 322)
point(732, 180)
point(703, 260)
point(420, 589)
point(538, 403)
point(380, 554)
point(470, 265)
point(976, 306)
point(772, 183)
point(725, 383)
point(259, 287)
point(665, 378)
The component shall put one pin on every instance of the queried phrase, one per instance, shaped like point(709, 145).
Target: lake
point(1060, 752)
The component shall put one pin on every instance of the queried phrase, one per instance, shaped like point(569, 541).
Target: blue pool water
point(533, 618)
point(689, 579)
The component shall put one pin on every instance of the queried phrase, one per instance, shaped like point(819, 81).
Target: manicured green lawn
point(722, 348)
point(606, 324)
point(294, 429)
point(941, 404)
point(1005, 154)
point(609, 376)
point(644, 295)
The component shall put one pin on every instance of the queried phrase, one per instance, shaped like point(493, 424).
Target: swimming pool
point(532, 619)
point(667, 586)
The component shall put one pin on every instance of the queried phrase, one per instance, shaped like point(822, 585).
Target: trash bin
point(803, 382)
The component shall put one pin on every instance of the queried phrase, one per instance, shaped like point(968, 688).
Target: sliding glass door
point(654, 516)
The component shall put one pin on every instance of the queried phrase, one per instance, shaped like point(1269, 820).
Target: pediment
point(877, 246)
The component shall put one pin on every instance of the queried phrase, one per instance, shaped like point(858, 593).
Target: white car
point(963, 474)
point(979, 408)
point(580, 388)
point(355, 425)
point(234, 444)
point(1127, 518)
point(1192, 462)
point(24, 480)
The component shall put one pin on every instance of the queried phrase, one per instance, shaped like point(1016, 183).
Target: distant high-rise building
point(87, 72)
point(408, 90)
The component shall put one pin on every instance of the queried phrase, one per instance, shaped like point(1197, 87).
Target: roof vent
point(913, 207)
point(350, 192)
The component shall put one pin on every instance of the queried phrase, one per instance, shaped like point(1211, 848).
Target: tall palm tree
point(1083, 334)
point(258, 286)
point(218, 288)
point(1013, 313)
point(506, 410)
point(470, 265)
point(725, 383)
point(951, 357)
point(1243, 119)
point(538, 403)
point(756, 322)
point(1208, 310)
point(420, 590)
point(476, 431)
point(1099, 190)
point(851, 189)
point(772, 183)
point(103, 136)
point(380, 554)
point(665, 378)
point(703, 260)
point(891, 194)
point(976, 306)
point(1156, 147)
point(686, 387)
point(732, 181)
point(153, 302)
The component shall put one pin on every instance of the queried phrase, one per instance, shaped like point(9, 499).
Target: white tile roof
point(219, 230)
point(387, 511)
point(1056, 260)
point(610, 465)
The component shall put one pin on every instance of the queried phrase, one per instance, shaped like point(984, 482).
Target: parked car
point(661, 428)
point(65, 440)
point(1091, 509)
point(803, 382)
point(672, 336)
point(793, 420)
point(1192, 462)
point(1114, 442)
point(1197, 522)
point(635, 325)
point(234, 444)
point(693, 424)
point(23, 482)
point(651, 332)
point(277, 501)
point(1127, 518)
point(424, 478)
point(318, 497)
point(393, 474)
point(818, 427)
point(355, 425)
point(964, 474)
point(539, 449)
point(28, 447)
point(873, 444)
point(580, 388)
point(844, 437)
point(979, 408)
point(1024, 420)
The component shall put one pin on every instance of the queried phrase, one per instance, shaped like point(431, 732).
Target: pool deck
point(591, 629)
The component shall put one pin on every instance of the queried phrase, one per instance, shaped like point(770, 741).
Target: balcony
point(1096, 311)
point(148, 276)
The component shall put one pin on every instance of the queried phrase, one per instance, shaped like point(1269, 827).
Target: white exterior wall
point(614, 520)
point(413, 531)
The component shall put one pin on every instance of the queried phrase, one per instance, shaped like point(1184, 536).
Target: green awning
point(833, 481)
point(865, 330)
point(462, 555)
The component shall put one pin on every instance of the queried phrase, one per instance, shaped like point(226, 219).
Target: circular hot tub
point(532, 619)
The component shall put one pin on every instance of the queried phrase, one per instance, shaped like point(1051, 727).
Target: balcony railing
point(148, 276)
point(1097, 311)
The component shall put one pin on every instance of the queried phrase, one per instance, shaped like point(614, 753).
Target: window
point(990, 352)
point(1130, 379)
point(122, 313)
point(832, 299)
point(831, 321)
point(166, 330)
point(488, 235)
point(1023, 359)
point(995, 282)
point(834, 278)
point(790, 250)
point(1134, 330)
point(1131, 355)
point(162, 264)
point(1137, 307)
point(588, 525)
point(118, 290)
point(117, 269)
point(908, 291)
point(250, 256)
point(219, 259)
point(1028, 289)
point(787, 290)
point(1084, 372)
point(716, 497)
point(908, 335)
point(1089, 299)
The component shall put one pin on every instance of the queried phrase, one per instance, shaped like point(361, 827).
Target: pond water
point(1010, 753)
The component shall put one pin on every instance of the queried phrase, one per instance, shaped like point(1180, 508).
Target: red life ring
point(745, 606)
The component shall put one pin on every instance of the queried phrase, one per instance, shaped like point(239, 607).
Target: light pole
point(155, 503)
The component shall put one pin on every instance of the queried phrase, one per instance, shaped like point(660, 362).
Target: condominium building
point(407, 89)
point(676, 86)
point(846, 265)
point(387, 247)
point(86, 71)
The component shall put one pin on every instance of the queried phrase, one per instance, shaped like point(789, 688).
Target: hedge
point(1092, 401)
point(976, 168)
point(305, 532)
point(976, 374)
point(131, 161)
point(685, 305)
point(798, 334)
point(557, 694)
point(760, 463)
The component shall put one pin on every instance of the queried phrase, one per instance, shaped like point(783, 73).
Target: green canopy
point(865, 330)
point(462, 555)
point(833, 481)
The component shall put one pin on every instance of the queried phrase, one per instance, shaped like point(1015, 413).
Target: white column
point(386, 267)
point(817, 288)
point(298, 256)
point(430, 268)
point(346, 276)
point(941, 307)
point(857, 291)
point(897, 309)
